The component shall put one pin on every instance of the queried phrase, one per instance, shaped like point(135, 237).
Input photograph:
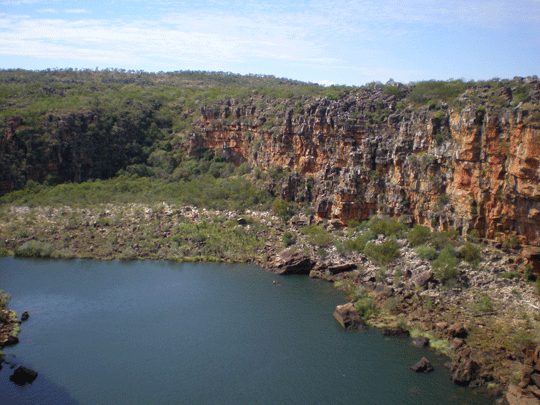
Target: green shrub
point(380, 275)
point(288, 239)
point(483, 304)
point(445, 265)
point(366, 307)
point(391, 304)
point(359, 242)
point(426, 252)
point(387, 227)
point(318, 235)
point(511, 275)
point(323, 254)
point(4, 299)
point(282, 209)
point(418, 235)
point(34, 248)
point(383, 253)
point(511, 242)
point(471, 253)
point(441, 239)
point(473, 236)
point(530, 275)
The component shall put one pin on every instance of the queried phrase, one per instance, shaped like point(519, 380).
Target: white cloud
point(325, 83)
point(184, 38)
point(76, 11)
point(19, 2)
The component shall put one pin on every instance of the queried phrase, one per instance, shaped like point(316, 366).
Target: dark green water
point(167, 333)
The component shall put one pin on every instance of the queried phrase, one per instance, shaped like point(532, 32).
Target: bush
point(511, 242)
point(282, 209)
point(484, 304)
point(317, 235)
point(471, 253)
point(445, 265)
point(391, 304)
point(34, 248)
point(359, 242)
point(366, 307)
point(288, 239)
point(383, 253)
point(441, 239)
point(4, 299)
point(418, 235)
point(426, 252)
point(387, 227)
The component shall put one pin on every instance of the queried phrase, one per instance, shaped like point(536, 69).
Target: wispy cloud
point(19, 2)
point(179, 37)
point(76, 11)
point(357, 38)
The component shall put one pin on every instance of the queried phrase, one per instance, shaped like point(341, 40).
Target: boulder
point(420, 342)
point(395, 332)
point(458, 330)
point(423, 366)
point(25, 316)
point(242, 221)
point(340, 268)
point(23, 375)
point(347, 316)
point(383, 291)
point(465, 374)
point(517, 396)
point(535, 379)
point(423, 278)
point(292, 262)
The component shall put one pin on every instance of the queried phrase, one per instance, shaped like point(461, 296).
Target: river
point(156, 332)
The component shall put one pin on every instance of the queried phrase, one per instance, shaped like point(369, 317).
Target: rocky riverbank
point(9, 329)
point(474, 305)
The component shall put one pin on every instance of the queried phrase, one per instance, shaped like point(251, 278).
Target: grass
point(435, 343)
point(136, 232)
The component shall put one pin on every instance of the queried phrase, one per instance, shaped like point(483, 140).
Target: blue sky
point(323, 41)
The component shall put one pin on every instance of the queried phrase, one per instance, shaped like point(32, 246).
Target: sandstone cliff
point(475, 167)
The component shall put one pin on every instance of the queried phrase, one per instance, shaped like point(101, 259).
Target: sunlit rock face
point(470, 168)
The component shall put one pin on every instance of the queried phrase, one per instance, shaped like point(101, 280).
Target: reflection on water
point(169, 333)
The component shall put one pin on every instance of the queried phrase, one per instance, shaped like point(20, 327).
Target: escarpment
point(442, 154)
point(472, 168)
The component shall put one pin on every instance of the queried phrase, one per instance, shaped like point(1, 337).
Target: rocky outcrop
point(395, 332)
point(348, 317)
point(423, 366)
point(472, 168)
point(291, 262)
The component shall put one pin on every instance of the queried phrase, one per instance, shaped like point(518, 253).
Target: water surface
point(152, 332)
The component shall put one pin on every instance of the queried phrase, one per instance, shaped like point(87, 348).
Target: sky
point(341, 42)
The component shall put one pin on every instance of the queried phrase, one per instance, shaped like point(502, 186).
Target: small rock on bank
point(423, 366)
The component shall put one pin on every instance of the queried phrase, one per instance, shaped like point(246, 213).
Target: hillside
point(449, 155)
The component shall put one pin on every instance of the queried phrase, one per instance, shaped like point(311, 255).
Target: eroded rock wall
point(476, 167)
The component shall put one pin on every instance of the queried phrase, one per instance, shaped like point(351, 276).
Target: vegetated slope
point(455, 154)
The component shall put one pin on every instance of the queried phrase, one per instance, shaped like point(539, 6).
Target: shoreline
point(466, 320)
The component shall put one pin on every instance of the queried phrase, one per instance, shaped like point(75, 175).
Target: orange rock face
point(483, 174)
